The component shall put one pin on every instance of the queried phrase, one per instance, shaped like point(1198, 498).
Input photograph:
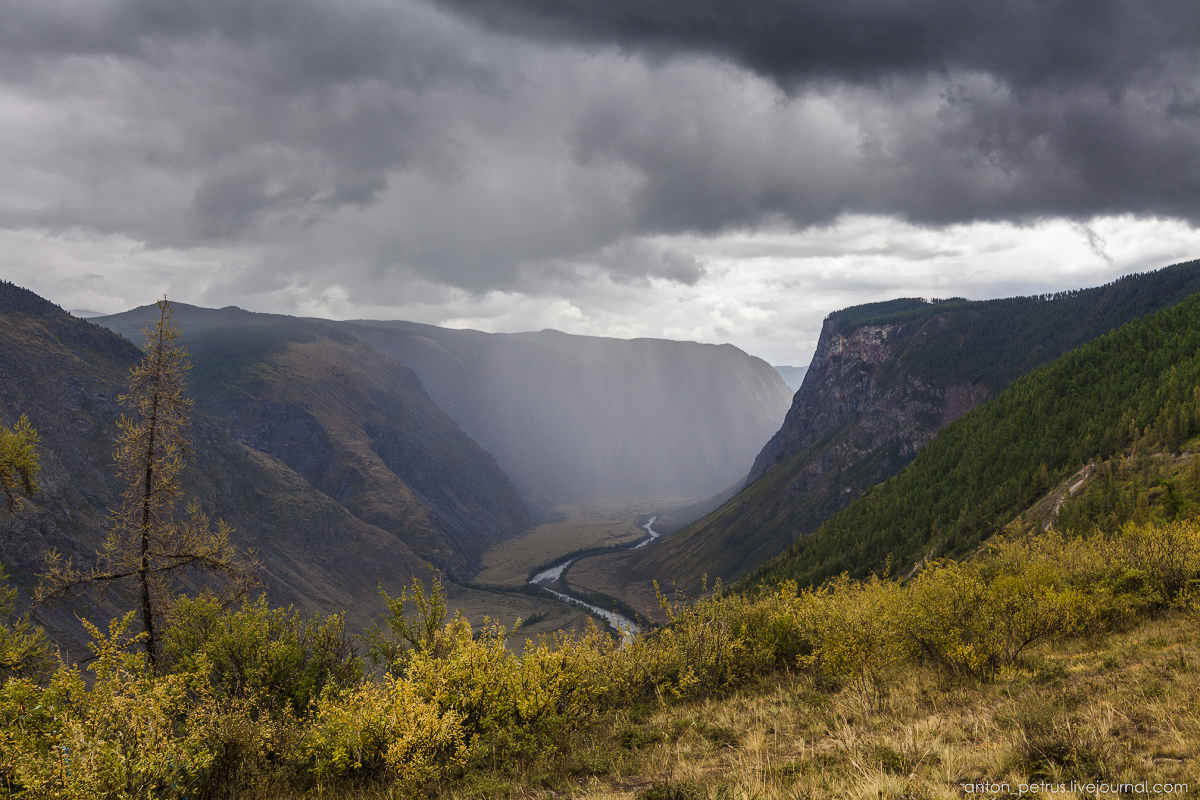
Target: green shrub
point(393, 645)
point(1047, 741)
point(274, 656)
point(24, 648)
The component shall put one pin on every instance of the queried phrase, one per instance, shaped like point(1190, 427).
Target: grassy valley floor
point(609, 575)
point(602, 523)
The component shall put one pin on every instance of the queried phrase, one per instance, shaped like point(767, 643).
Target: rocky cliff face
point(858, 417)
point(884, 379)
point(857, 401)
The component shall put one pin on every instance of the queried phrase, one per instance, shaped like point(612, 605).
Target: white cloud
point(392, 160)
point(764, 291)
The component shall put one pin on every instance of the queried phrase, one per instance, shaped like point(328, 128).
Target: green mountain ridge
point(66, 375)
point(885, 379)
point(1106, 408)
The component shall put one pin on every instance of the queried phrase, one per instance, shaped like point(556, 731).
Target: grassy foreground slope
point(1039, 661)
point(1132, 388)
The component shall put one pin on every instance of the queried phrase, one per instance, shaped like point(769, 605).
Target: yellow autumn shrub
point(978, 616)
point(384, 731)
point(1166, 553)
point(561, 681)
point(123, 737)
point(708, 646)
point(852, 630)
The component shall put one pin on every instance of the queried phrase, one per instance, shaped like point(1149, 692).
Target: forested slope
point(1135, 390)
point(885, 378)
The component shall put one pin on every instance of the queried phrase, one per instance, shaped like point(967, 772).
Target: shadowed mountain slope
point(355, 424)
point(885, 378)
point(575, 417)
point(66, 374)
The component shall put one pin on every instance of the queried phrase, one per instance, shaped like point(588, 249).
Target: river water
point(619, 622)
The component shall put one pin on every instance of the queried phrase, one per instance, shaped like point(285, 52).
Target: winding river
point(620, 623)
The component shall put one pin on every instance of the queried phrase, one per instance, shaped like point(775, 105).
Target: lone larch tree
point(146, 544)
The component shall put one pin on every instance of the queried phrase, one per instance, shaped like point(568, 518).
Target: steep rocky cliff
point(858, 407)
point(884, 379)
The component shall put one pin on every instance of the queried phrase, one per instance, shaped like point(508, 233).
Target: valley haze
point(350, 453)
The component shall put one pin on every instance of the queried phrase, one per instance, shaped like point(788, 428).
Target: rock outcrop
point(858, 408)
point(884, 379)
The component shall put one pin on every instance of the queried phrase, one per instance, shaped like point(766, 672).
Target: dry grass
point(1126, 710)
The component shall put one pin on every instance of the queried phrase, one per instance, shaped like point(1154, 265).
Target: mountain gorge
point(356, 425)
point(573, 418)
point(885, 378)
point(326, 453)
point(567, 418)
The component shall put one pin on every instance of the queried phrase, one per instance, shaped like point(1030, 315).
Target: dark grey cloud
point(1092, 106)
point(259, 111)
point(1028, 43)
point(369, 146)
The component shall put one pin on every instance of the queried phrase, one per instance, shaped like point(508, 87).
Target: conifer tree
point(18, 462)
point(24, 649)
point(146, 544)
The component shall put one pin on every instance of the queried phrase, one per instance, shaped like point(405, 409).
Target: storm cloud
point(1032, 108)
point(456, 160)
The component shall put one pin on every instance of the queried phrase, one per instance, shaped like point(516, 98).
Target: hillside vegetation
point(1135, 389)
point(886, 377)
point(1046, 659)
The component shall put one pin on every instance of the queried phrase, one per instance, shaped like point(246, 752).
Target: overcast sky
point(717, 170)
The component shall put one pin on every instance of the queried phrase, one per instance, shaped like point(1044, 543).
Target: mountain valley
point(885, 379)
point(1040, 527)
